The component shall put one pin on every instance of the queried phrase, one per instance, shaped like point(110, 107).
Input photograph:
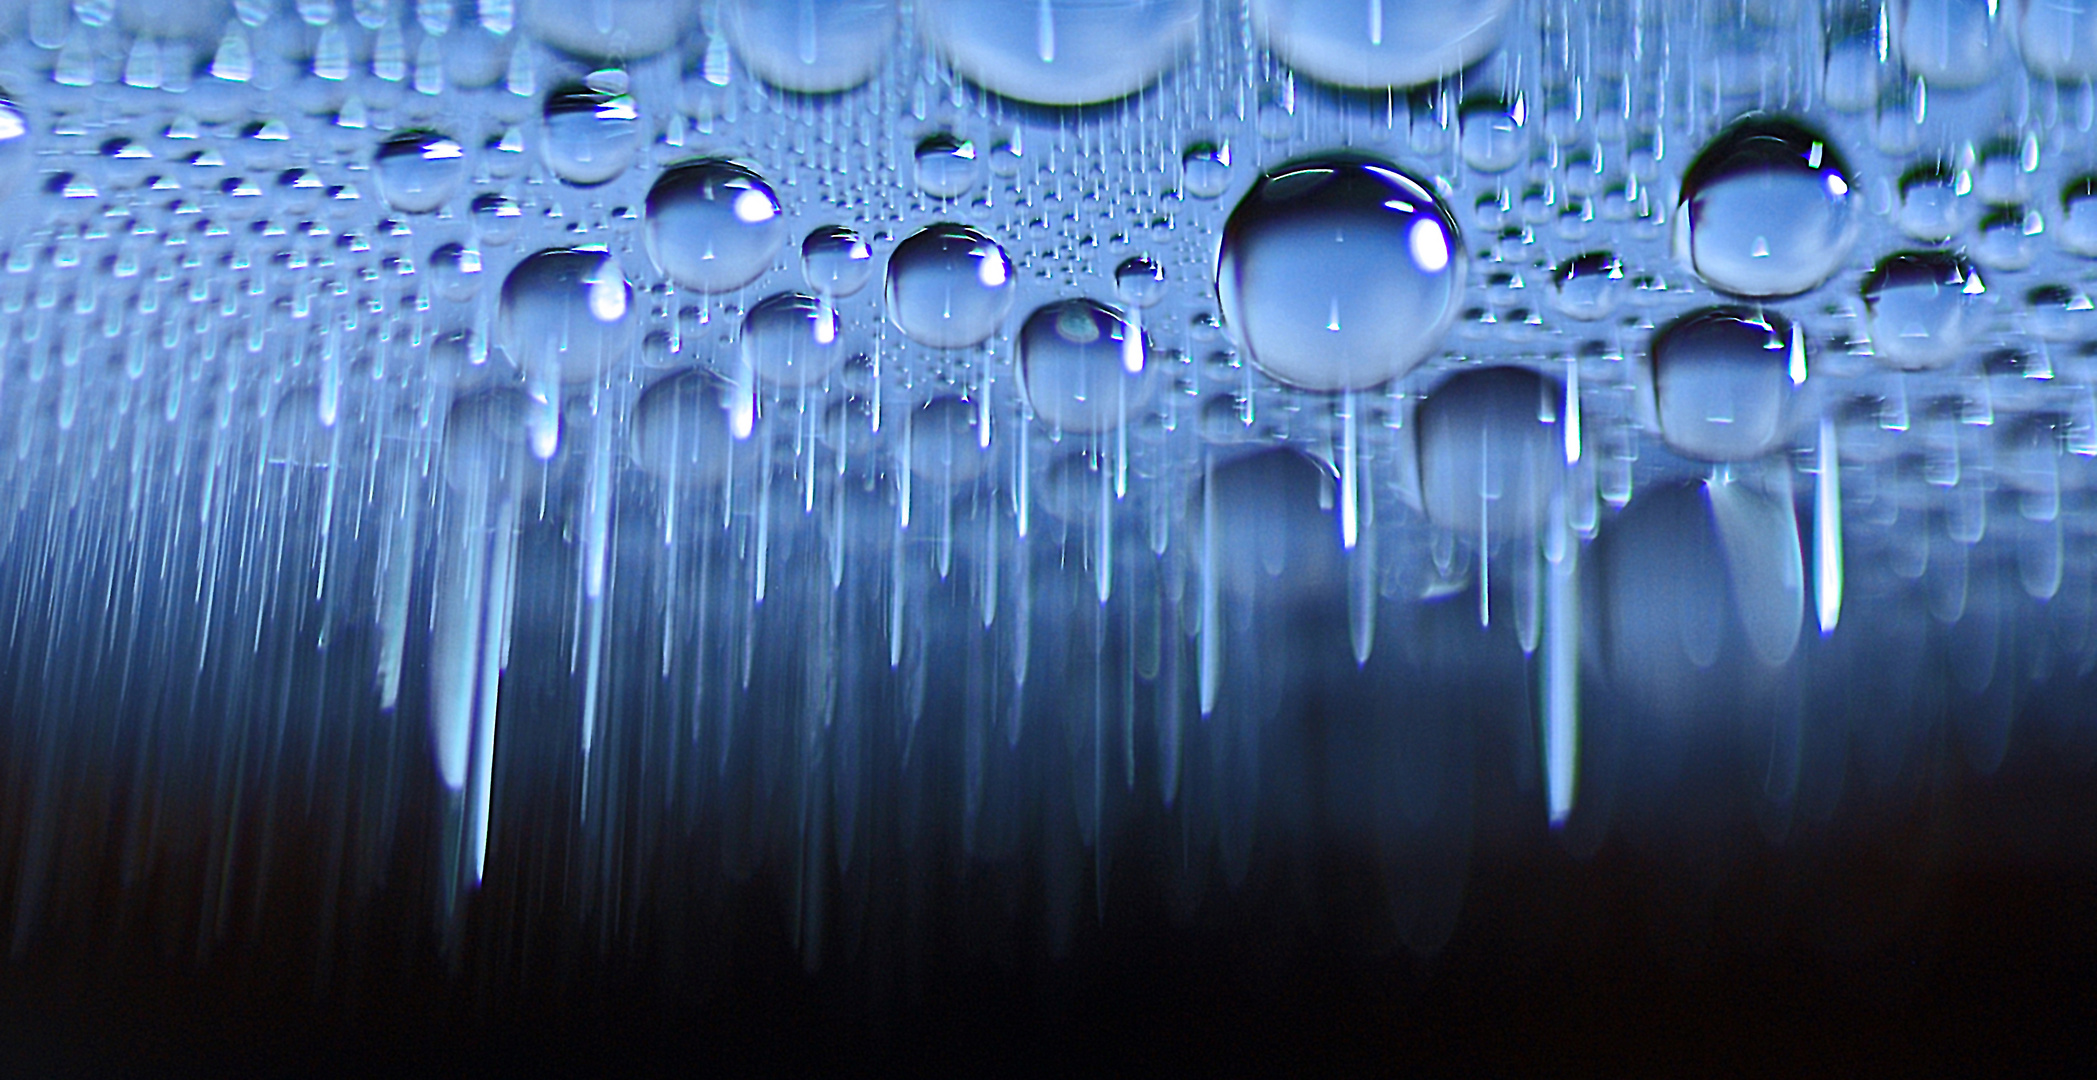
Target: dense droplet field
point(572, 440)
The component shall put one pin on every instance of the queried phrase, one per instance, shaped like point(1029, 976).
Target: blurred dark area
point(1950, 935)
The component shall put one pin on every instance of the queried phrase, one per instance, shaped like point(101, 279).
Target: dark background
point(1953, 935)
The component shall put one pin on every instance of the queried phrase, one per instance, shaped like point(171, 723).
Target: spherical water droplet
point(949, 286)
point(1766, 209)
point(2058, 40)
point(2077, 231)
point(16, 157)
point(1339, 273)
point(457, 269)
point(1060, 52)
point(1487, 455)
point(683, 427)
point(419, 170)
point(946, 166)
point(1075, 362)
point(811, 46)
point(1950, 43)
point(608, 28)
point(944, 442)
point(792, 340)
point(495, 218)
point(486, 436)
point(1140, 281)
point(591, 136)
point(1932, 204)
point(1722, 383)
point(835, 261)
point(1921, 308)
point(1494, 139)
point(1205, 169)
point(1380, 44)
point(1589, 286)
point(713, 225)
point(2056, 313)
point(2008, 238)
point(567, 311)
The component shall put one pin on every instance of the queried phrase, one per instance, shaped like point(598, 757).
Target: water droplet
point(496, 218)
point(16, 157)
point(1072, 363)
point(1921, 308)
point(835, 261)
point(1140, 281)
point(949, 286)
point(2077, 231)
point(944, 444)
point(419, 170)
point(1382, 43)
point(1950, 43)
point(2008, 237)
point(485, 436)
point(1589, 286)
point(457, 270)
point(607, 28)
point(1488, 457)
point(1339, 273)
point(1933, 206)
point(567, 312)
point(1494, 139)
point(811, 46)
point(714, 225)
point(1722, 386)
point(946, 166)
point(591, 136)
point(683, 427)
point(1205, 169)
point(792, 340)
point(1060, 52)
point(1766, 209)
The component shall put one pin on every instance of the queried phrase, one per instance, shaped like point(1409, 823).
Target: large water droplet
point(1073, 362)
point(1933, 202)
point(1722, 383)
point(811, 46)
point(683, 428)
point(1060, 52)
point(567, 311)
point(591, 135)
point(1490, 450)
point(1766, 209)
point(16, 157)
point(485, 436)
point(1920, 308)
point(944, 443)
point(792, 340)
point(608, 28)
point(949, 286)
point(2058, 39)
point(713, 225)
point(2077, 231)
point(1339, 273)
point(835, 261)
point(1950, 43)
point(946, 166)
point(1379, 43)
point(419, 170)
